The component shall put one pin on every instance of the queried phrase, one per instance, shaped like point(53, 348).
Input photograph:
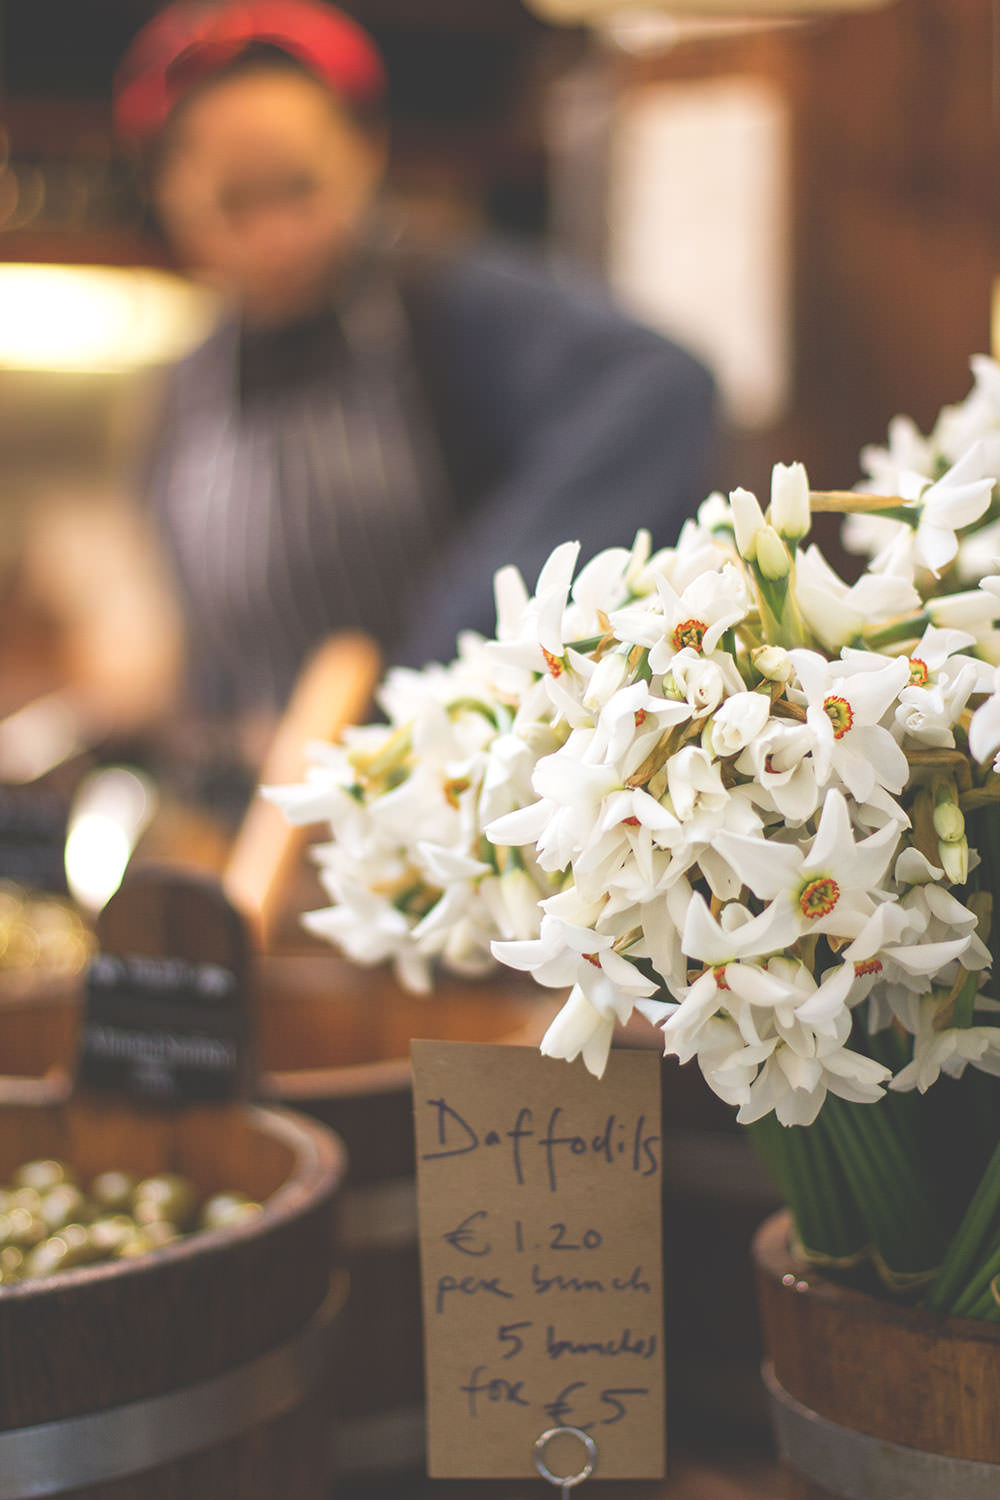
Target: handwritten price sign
point(541, 1259)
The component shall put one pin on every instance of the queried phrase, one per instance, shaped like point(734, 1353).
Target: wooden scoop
point(334, 690)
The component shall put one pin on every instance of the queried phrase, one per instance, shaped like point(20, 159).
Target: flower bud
point(737, 721)
point(772, 662)
point(949, 824)
point(607, 677)
point(748, 518)
point(790, 513)
point(772, 555)
point(700, 681)
point(955, 861)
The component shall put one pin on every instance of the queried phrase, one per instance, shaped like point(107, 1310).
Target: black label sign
point(165, 1029)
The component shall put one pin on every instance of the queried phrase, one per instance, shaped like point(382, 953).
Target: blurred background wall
point(813, 206)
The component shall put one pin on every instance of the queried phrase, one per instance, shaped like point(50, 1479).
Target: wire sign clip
point(564, 1483)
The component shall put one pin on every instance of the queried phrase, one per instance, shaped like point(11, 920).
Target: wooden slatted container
point(196, 1370)
point(871, 1400)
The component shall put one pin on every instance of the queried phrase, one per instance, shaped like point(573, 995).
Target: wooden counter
point(725, 1476)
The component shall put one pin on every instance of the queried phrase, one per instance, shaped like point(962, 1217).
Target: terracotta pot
point(870, 1400)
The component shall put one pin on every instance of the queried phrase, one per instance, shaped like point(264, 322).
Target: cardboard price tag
point(541, 1258)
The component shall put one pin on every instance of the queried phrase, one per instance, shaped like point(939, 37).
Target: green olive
point(160, 1232)
point(136, 1244)
point(79, 1249)
point(28, 1198)
point(64, 1204)
point(113, 1191)
point(49, 1224)
point(11, 1261)
point(165, 1197)
point(26, 1228)
point(221, 1208)
point(108, 1234)
point(45, 1258)
point(244, 1212)
point(42, 1175)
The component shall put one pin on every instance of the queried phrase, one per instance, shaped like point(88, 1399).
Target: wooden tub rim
point(387, 1075)
point(772, 1245)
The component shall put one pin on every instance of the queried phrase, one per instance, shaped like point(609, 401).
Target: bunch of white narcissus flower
point(719, 775)
point(948, 523)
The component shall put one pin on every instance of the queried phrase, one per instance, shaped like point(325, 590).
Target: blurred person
point(371, 430)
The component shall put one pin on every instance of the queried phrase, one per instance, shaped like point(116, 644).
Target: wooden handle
point(334, 690)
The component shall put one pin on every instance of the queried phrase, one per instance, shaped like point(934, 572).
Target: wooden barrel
point(334, 1041)
point(39, 1019)
point(870, 1400)
point(195, 1370)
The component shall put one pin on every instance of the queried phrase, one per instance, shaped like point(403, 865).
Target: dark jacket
point(562, 420)
point(555, 416)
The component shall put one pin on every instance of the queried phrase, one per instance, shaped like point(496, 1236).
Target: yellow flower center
point(689, 633)
point(592, 958)
point(720, 976)
point(840, 714)
point(867, 966)
point(918, 672)
point(553, 663)
point(454, 789)
point(819, 897)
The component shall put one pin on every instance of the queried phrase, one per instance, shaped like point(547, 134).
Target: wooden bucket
point(872, 1401)
point(39, 1019)
point(334, 1041)
point(193, 1371)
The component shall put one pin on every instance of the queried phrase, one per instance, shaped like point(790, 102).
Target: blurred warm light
point(643, 31)
point(97, 319)
point(596, 12)
point(37, 738)
point(110, 812)
point(699, 232)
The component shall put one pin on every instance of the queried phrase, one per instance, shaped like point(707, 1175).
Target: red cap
point(189, 42)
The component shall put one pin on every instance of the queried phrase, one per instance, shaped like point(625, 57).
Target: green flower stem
point(977, 1293)
point(779, 613)
point(902, 630)
point(986, 835)
point(782, 1150)
point(891, 1193)
point(472, 705)
point(987, 1309)
point(810, 1179)
point(971, 1243)
point(848, 1234)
